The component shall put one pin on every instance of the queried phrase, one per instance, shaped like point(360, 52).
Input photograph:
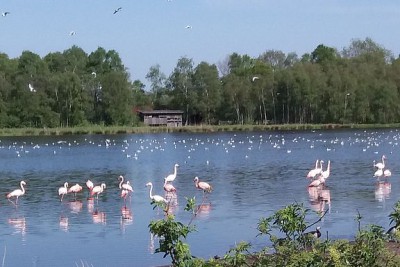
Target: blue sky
point(150, 32)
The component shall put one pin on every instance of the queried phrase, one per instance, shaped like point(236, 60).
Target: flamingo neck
point(120, 183)
point(22, 188)
point(151, 191)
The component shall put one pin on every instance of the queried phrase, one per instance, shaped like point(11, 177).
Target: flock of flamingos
point(126, 189)
point(318, 192)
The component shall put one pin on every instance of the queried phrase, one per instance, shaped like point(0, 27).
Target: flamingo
point(378, 173)
point(63, 190)
point(206, 187)
point(98, 189)
point(317, 170)
point(387, 173)
point(171, 177)
point(17, 192)
point(169, 188)
point(317, 182)
point(155, 198)
point(89, 185)
point(127, 186)
point(380, 165)
point(75, 189)
point(327, 172)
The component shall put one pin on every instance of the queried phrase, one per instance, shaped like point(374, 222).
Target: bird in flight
point(72, 33)
point(117, 10)
point(31, 88)
point(5, 13)
point(255, 78)
point(188, 27)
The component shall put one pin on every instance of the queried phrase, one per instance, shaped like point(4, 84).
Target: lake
point(253, 175)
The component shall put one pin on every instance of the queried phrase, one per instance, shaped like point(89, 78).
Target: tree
point(157, 80)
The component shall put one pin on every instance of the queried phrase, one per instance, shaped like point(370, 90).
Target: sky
point(150, 32)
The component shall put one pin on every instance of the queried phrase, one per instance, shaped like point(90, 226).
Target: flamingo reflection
point(126, 217)
point(382, 190)
point(203, 210)
point(64, 223)
point(19, 225)
point(90, 205)
point(319, 197)
point(75, 206)
point(99, 217)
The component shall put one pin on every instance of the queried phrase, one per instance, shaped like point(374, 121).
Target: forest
point(359, 84)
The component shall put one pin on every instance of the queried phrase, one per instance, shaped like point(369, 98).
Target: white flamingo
point(387, 173)
point(155, 198)
point(89, 185)
point(127, 186)
point(63, 190)
point(380, 165)
point(171, 177)
point(317, 182)
point(17, 192)
point(378, 173)
point(327, 172)
point(317, 170)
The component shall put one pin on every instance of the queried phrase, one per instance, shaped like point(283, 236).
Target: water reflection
point(99, 217)
point(19, 225)
point(76, 206)
point(320, 197)
point(64, 224)
point(203, 210)
point(382, 190)
point(90, 205)
point(126, 218)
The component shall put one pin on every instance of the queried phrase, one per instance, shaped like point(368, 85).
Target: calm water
point(253, 175)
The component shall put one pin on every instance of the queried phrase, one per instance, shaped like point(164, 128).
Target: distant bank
point(188, 129)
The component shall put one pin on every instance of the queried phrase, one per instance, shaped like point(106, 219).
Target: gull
point(94, 74)
point(188, 27)
point(5, 13)
point(72, 33)
point(255, 78)
point(31, 88)
point(117, 10)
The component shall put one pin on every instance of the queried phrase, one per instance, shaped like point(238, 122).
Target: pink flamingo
point(317, 170)
point(63, 190)
point(171, 177)
point(89, 185)
point(317, 182)
point(17, 193)
point(378, 173)
point(206, 187)
point(387, 173)
point(327, 172)
point(75, 189)
point(169, 188)
point(98, 189)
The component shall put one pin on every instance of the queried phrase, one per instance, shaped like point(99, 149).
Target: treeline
point(359, 84)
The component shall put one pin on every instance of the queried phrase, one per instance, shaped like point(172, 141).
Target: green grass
point(98, 129)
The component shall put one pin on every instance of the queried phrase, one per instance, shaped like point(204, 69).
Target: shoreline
point(97, 129)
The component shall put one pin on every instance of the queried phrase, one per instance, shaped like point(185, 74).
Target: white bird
point(317, 170)
point(5, 13)
point(171, 177)
point(75, 189)
point(327, 172)
point(378, 173)
point(127, 186)
point(71, 33)
point(316, 233)
point(17, 192)
point(31, 88)
point(317, 182)
point(255, 78)
point(63, 190)
point(117, 10)
point(98, 189)
point(89, 185)
point(188, 27)
point(155, 198)
point(387, 173)
point(94, 74)
point(380, 165)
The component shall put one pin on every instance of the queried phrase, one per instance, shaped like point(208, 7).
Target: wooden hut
point(170, 118)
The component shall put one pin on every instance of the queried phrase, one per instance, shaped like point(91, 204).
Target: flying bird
point(188, 27)
point(71, 33)
point(5, 13)
point(117, 10)
point(255, 78)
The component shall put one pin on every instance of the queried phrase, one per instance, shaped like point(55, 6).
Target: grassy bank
point(97, 129)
